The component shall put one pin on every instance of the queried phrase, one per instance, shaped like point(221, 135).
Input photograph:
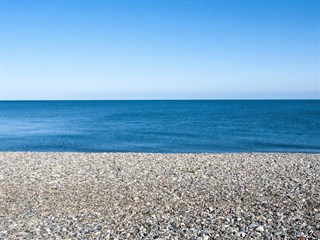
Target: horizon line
point(179, 99)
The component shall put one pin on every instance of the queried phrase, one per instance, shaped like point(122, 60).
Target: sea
point(161, 126)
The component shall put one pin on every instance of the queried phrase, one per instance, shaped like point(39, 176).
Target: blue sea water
point(161, 126)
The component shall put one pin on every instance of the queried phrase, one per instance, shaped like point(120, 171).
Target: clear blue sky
point(159, 49)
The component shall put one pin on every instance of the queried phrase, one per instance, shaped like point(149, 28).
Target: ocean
point(169, 126)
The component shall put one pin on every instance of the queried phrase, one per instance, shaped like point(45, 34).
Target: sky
point(152, 49)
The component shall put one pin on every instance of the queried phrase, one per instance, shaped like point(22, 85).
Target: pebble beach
point(159, 196)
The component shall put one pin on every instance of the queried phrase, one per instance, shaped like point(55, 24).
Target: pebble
point(253, 225)
point(260, 229)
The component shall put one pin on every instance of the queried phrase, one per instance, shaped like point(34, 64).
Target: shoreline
point(147, 195)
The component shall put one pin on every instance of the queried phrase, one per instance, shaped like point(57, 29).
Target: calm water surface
point(160, 126)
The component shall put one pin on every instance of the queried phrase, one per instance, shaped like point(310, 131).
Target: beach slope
point(165, 196)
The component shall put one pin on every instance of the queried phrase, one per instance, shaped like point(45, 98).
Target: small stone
point(3, 233)
point(317, 217)
point(253, 225)
point(260, 229)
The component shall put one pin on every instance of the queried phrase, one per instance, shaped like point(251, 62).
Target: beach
point(159, 196)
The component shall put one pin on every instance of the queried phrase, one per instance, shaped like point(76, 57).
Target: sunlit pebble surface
point(163, 196)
